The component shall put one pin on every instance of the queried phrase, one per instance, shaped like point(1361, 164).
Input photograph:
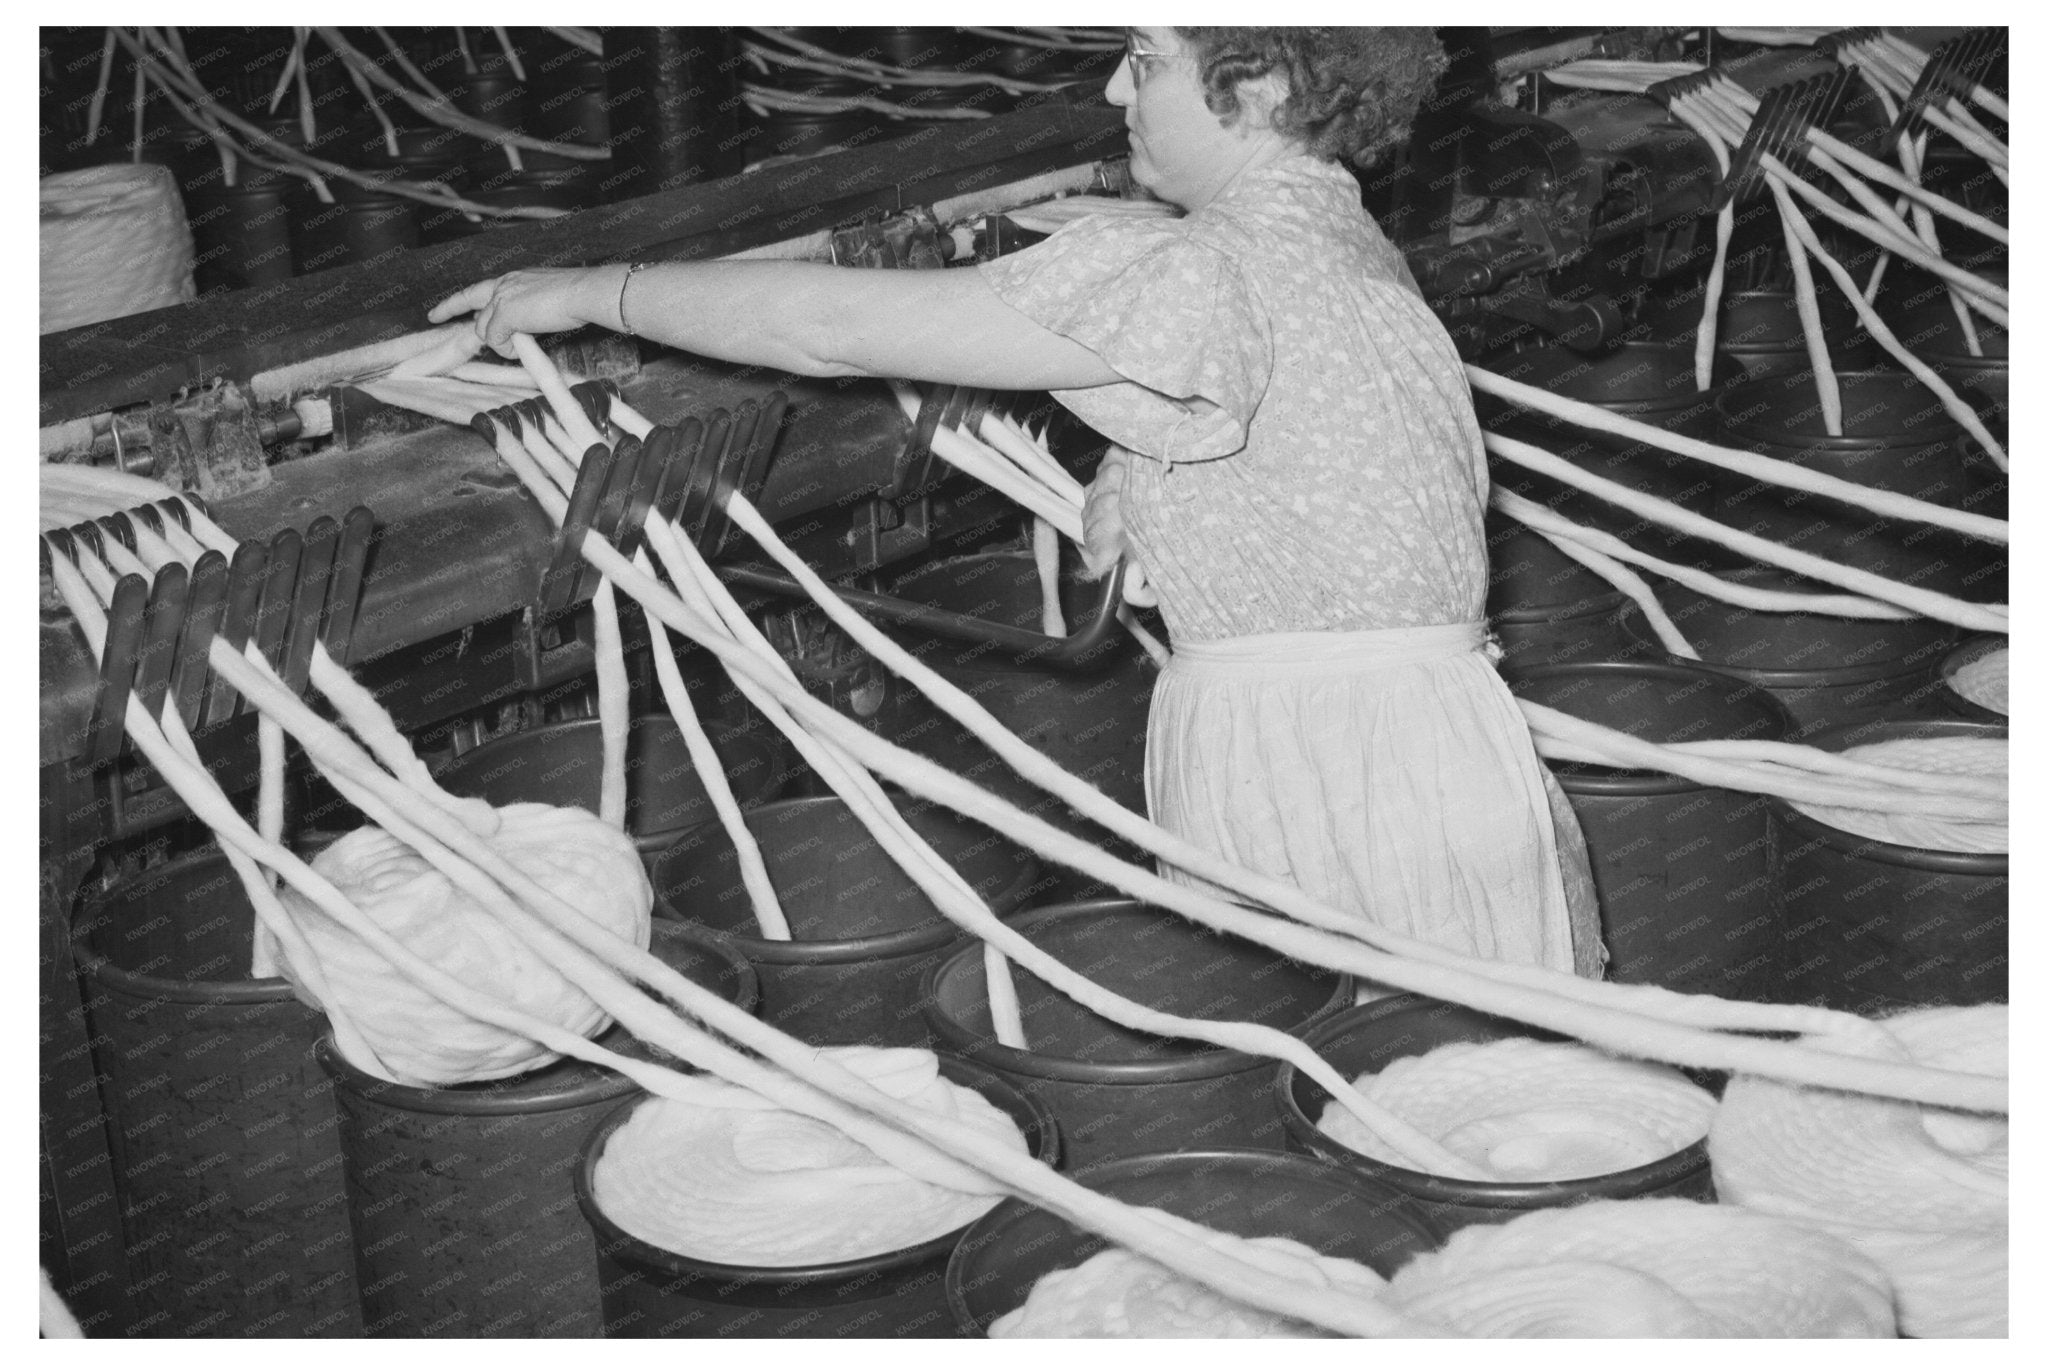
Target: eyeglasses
point(1138, 58)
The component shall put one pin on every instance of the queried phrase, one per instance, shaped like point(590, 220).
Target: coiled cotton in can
point(1976, 756)
point(1983, 681)
point(1118, 1293)
point(734, 1179)
point(1532, 1111)
point(420, 1039)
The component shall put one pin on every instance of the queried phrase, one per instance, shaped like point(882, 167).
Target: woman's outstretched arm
point(946, 326)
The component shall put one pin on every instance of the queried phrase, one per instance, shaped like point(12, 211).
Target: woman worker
point(1296, 470)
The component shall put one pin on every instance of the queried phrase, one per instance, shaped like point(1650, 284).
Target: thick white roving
point(1983, 681)
point(1646, 1268)
point(1117, 1293)
point(422, 1040)
point(1922, 1191)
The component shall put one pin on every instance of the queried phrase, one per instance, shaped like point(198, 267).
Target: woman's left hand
point(532, 301)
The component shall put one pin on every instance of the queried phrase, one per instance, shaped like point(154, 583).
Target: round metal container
point(1825, 669)
point(568, 99)
point(1895, 436)
point(1759, 329)
point(1362, 1041)
point(463, 1198)
point(862, 932)
point(1683, 871)
point(226, 1159)
point(1646, 381)
point(1117, 1091)
point(241, 234)
point(360, 225)
point(1544, 607)
point(1961, 657)
point(652, 1292)
point(1926, 325)
point(1876, 927)
point(680, 87)
point(562, 764)
point(1333, 1211)
point(492, 92)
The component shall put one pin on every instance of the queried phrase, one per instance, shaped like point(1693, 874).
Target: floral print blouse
point(1311, 458)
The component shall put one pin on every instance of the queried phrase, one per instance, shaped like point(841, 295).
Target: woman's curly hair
point(1352, 92)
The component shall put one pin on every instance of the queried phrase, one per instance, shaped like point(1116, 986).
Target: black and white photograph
point(766, 683)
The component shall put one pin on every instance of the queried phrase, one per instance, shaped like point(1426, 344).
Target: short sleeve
point(1175, 316)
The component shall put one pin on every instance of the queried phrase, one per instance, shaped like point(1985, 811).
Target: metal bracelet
point(624, 282)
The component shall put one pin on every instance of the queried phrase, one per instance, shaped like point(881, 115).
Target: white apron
point(1384, 772)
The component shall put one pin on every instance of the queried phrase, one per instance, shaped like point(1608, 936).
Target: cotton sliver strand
point(1968, 754)
point(1983, 681)
point(1054, 214)
point(421, 1039)
point(1533, 1111)
point(71, 493)
point(733, 1179)
point(1116, 1293)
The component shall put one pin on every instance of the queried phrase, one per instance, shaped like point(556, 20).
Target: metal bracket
point(628, 459)
point(1783, 118)
point(908, 240)
point(595, 397)
point(891, 530)
point(1952, 69)
point(684, 472)
point(203, 612)
point(559, 581)
point(117, 668)
point(947, 406)
point(284, 596)
point(743, 470)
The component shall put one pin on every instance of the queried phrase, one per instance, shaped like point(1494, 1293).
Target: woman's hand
point(535, 302)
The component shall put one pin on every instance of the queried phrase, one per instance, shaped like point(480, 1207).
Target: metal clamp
point(717, 456)
point(691, 439)
point(682, 471)
point(284, 596)
point(1783, 118)
point(742, 469)
point(1953, 69)
point(595, 396)
point(945, 406)
point(563, 575)
point(1664, 92)
point(1840, 46)
point(628, 465)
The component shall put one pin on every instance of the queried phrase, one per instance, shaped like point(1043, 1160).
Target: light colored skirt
point(1386, 772)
